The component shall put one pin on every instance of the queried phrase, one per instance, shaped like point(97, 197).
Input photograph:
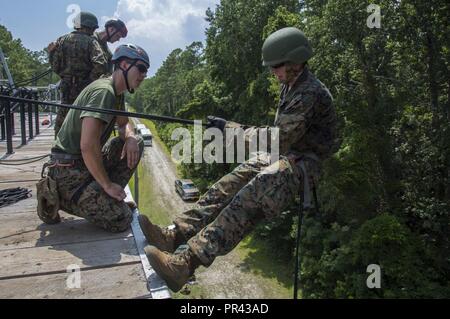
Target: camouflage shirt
point(106, 51)
point(78, 55)
point(305, 117)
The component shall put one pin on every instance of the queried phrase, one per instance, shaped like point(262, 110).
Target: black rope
point(13, 195)
point(104, 111)
point(22, 162)
point(34, 78)
point(26, 159)
point(297, 249)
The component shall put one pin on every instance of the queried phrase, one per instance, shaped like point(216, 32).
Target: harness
point(59, 158)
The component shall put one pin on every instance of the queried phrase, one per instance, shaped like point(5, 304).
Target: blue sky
point(159, 26)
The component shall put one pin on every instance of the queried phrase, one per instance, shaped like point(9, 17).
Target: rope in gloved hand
point(13, 195)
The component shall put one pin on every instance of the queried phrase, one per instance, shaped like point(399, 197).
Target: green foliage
point(173, 85)
point(234, 41)
point(385, 195)
point(23, 63)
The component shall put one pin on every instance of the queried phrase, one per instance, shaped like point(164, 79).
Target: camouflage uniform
point(93, 203)
point(106, 51)
point(255, 191)
point(78, 59)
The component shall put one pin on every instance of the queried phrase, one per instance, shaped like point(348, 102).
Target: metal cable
point(104, 111)
point(35, 78)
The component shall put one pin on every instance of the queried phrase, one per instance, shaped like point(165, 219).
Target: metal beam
point(23, 124)
point(5, 67)
point(9, 145)
point(30, 120)
point(36, 113)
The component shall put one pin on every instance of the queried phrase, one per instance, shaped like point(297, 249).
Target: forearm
point(92, 157)
point(126, 131)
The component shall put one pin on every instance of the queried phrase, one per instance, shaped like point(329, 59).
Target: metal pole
point(30, 119)
point(2, 127)
point(5, 66)
point(13, 126)
point(23, 124)
point(9, 145)
point(36, 114)
point(136, 186)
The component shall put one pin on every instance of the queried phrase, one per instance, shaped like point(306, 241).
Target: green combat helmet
point(286, 45)
point(85, 20)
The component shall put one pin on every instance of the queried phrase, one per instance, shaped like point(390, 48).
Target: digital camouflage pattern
point(106, 51)
point(257, 190)
point(94, 204)
point(78, 59)
point(305, 117)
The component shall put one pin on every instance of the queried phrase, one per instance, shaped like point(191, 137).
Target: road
point(162, 172)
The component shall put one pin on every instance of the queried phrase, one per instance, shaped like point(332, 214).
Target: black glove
point(216, 122)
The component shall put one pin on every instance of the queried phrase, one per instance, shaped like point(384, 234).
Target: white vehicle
point(147, 136)
point(139, 127)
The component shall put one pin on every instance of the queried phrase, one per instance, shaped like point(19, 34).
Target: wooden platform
point(35, 258)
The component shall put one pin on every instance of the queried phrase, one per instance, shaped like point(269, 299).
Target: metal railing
point(28, 113)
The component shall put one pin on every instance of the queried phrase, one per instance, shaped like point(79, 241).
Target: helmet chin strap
point(109, 35)
point(125, 75)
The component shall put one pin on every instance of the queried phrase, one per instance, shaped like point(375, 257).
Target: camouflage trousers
point(69, 93)
point(233, 206)
point(93, 203)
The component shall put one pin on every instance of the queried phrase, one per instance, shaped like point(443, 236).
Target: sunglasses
point(142, 68)
point(278, 65)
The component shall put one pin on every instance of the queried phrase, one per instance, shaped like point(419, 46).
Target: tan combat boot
point(163, 238)
point(175, 269)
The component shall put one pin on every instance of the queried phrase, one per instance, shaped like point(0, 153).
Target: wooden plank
point(26, 230)
point(26, 205)
point(121, 282)
point(34, 256)
point(18, 174)
point(19, 182)
point(56, 258)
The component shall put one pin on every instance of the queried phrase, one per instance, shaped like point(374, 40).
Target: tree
point(23, 63)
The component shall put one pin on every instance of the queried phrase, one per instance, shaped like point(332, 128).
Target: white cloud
point(160, 26)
